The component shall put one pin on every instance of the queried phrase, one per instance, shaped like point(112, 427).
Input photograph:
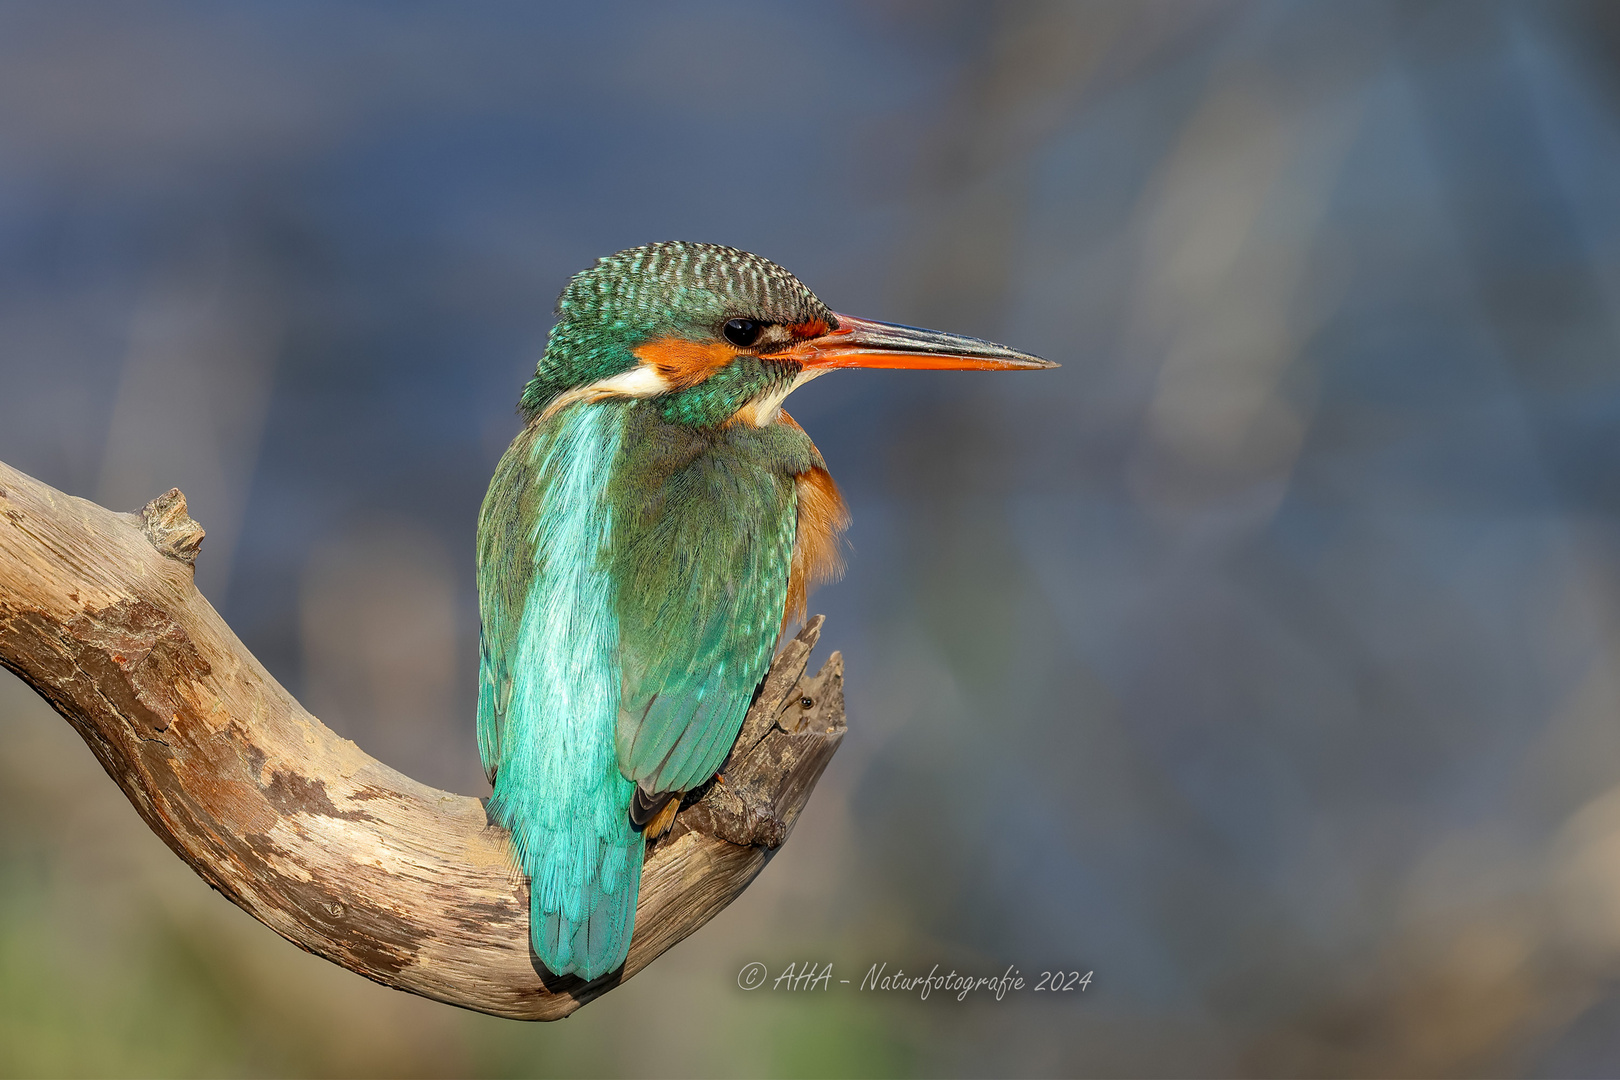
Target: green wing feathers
point(632, 576)
point(702, 566)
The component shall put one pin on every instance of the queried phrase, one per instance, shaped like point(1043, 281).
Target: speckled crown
point(679, 280)
point(655, 290)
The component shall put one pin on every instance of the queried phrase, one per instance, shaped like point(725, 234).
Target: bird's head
point(714, 335)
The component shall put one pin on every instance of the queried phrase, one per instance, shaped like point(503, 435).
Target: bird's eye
point(742, 332)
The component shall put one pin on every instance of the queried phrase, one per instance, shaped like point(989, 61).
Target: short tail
point(582, 899)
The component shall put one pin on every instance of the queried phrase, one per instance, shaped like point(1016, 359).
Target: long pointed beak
point(869, 344)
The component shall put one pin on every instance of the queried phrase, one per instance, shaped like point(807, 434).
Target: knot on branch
point(170, 528)
point(789, 735)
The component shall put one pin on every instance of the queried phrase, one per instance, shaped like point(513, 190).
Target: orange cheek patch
point(685, 363)
point(813, 328)
point(822, 517)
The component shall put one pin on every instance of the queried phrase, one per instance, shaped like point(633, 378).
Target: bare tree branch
point(330, 848)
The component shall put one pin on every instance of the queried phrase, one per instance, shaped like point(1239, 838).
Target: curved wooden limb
point(333, 850)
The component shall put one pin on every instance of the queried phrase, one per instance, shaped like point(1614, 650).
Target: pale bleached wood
point(330, 848)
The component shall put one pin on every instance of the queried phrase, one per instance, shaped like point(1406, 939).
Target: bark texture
point(333, 850)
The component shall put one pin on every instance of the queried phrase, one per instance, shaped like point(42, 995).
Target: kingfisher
point(650, 533)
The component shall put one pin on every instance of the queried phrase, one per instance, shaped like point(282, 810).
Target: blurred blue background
point(1264, 660)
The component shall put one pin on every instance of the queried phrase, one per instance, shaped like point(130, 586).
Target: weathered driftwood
point(330, 848)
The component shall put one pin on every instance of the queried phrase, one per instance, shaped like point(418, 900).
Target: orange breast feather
point(816, 558)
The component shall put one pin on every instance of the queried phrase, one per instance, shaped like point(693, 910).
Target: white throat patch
point(764, 409)
point(641, 381)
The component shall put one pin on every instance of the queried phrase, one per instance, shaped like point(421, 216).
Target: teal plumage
point(642, 543)
point(623, 639)
point(549, 690)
